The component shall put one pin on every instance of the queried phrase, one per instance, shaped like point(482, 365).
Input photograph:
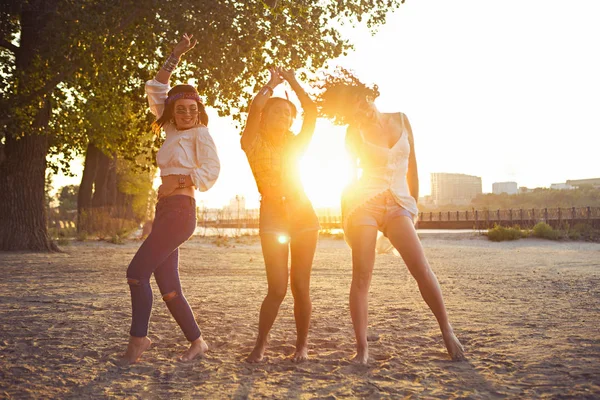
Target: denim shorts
point(289, 216)
point(378, 212)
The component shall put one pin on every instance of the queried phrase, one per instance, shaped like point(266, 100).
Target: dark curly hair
point(339, 92)
point(168, 112)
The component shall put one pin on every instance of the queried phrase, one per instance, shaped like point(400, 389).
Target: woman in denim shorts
point(187, 160)
point(288, 223)
point(384, 199)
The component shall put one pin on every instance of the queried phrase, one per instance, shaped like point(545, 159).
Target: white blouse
point(187, 152)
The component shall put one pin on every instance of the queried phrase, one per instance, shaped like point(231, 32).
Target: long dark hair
point(271, 102)
point(168, 112)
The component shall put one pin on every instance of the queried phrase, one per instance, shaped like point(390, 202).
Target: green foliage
point(544, 231)
point(499, 233)
point(67, 199)
point(90, 58)
point(136, 183)
point(583, 231)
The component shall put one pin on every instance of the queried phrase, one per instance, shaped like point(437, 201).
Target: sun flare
point(324, 169)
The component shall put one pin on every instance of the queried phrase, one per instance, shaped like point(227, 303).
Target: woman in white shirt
point(188, 161)
point(384, 198)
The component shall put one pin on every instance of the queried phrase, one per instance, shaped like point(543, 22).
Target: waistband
point(178, 199)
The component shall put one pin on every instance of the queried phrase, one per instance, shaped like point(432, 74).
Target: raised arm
point(258, 103)
point(412, 176)
point(308, 106)
point(157, 88)
point(184, 45)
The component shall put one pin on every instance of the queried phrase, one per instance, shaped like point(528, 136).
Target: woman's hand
point(287, 74)
point(184, 45)
point(276, 77)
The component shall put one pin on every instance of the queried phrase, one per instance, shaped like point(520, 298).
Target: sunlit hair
point(339, 92)
point(174, 94)
point(271, 102)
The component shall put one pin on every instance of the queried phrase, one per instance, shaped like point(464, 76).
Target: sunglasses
point(193, 111)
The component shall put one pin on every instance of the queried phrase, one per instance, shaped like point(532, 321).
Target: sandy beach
point(527, 313)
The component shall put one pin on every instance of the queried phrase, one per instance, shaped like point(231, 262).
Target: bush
point(499, 233)
point(544, 231)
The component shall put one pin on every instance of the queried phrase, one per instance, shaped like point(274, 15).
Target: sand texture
point(527, 313)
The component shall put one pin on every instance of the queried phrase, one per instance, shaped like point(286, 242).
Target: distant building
point(525, 189)
point(505, 187)
point(454, 188)
point(595, 182)
point(561, 186)
point(237, 203)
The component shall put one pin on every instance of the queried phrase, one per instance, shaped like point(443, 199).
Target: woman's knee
point(300, 289)
point(277, 292)
point(361, 280)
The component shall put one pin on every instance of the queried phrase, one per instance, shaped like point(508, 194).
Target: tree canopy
point(72, 73)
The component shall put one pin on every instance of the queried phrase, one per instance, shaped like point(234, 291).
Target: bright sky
point(508, 91)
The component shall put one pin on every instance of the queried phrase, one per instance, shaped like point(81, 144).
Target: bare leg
point(403, 236)
point(276, 259)
point(362, 240)
point(135, 348)
point(303, 248)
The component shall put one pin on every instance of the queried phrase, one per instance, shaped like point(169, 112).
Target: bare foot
point(257, 354)
point(301, 354)
point(197, 349)
point(455, 349)
point(135, 348)
point(362, 356)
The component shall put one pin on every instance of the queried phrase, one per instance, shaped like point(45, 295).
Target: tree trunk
point(101, 189)
point(86, 187)
point(23, 166)
point(22, 180)
point(111, 182)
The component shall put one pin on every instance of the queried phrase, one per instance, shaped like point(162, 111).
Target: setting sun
point(324, 168)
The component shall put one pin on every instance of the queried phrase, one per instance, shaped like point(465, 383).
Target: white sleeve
point(157, 94)
point(208, 167)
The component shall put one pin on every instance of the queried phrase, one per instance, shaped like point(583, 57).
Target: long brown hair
point(169, 111)
point(339, 90)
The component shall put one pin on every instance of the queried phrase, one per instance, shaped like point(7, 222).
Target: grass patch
point(544, 231)
point(500, 234)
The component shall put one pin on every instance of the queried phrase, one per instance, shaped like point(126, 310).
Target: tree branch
point(8, 45)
